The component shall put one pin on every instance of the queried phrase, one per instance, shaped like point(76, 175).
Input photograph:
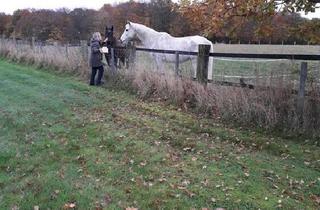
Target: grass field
point(65, 144)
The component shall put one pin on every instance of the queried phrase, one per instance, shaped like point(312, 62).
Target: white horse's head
point(128, 34)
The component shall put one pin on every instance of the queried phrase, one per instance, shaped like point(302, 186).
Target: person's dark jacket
point(96, 55)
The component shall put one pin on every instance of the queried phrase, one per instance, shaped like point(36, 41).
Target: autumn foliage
point(253, 21)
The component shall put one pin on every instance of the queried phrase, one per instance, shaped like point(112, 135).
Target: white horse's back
point(161, 40)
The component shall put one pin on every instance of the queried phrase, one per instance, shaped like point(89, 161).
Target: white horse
point(163, 41)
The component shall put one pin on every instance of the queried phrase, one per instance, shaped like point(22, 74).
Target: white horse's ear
point(128, 22)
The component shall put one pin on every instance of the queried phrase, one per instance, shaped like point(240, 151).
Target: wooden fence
point(203, 54)
point(202, 66)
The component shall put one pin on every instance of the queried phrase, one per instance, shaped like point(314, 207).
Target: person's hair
point(96, 36)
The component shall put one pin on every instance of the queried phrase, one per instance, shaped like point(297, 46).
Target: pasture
point(63, 143)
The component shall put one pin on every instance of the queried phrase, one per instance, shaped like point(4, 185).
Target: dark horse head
point(112, 42)
point(109, 36)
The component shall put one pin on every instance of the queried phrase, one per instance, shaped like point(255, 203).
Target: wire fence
point(250, 67)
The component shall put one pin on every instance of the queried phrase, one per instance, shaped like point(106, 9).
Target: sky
point(12, 5)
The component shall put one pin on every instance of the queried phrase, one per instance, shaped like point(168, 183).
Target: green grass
point(62, 142)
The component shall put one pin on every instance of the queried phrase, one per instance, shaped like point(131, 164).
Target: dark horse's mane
point(112, 42)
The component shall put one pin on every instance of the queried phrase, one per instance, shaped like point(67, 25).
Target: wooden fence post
point(301, 92)
point(33, 43)
point(176, 66)
point(84, 50)
point(67, 50)
point(202, 63)
point(112, 61)
point(131, 54)
point(2, 39)
point(14, 40)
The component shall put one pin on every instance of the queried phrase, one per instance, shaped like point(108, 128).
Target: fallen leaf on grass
point(130, 208)
point(185, 182)
point(107, 199)
point(157, 143)
point(104, 203)
point(161, 180)
point(143, 163)
point(189, 193)
point(187, 149)
point(98, 206)
point(56, 192)
point(205, 182)
point(15, 207)
point(315, 198)
point(71, 205)
point(312, 183)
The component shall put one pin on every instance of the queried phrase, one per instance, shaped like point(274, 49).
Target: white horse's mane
point(141, 28)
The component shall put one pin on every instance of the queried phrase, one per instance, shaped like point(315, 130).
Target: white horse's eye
point(127, 29)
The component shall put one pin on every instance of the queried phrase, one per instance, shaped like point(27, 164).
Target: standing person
point(96, 59)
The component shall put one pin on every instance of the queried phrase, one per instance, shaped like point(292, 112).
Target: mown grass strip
point(62, 142)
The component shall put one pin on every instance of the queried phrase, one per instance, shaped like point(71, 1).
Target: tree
point(82, 22)
point(121, 13)
point(221, 20)
point(161, 14)
point(210, 15)
point(5, 21)
point(309, 31)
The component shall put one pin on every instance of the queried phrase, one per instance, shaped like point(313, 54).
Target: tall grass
point(271, 107)
point(61, 58)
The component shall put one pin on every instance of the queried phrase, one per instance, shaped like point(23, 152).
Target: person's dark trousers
point(93, 75)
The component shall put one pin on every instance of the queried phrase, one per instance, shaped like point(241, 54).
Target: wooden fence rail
point(306, 57)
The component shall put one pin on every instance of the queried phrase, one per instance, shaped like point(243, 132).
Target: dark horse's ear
point(112, 28)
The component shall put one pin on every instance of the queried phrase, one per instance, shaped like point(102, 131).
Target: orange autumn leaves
point(210, 16)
